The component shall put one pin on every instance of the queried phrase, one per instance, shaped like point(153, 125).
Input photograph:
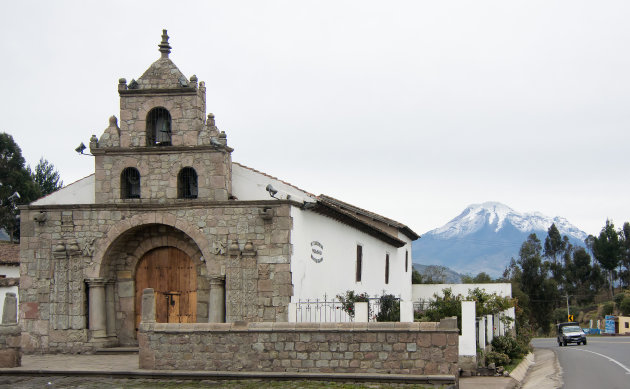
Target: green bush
point(608, 308)
point(624, 306)
point(348, 300)
point(619, 298)
point(513, 348)
point(559, 315)
point(499, 359)
point(523, 340)
point(390, 308)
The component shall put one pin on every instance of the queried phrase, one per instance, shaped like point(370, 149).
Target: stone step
point(116, 350)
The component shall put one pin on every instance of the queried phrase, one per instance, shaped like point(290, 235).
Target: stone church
point(167, 208)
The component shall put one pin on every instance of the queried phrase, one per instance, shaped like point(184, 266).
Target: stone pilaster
point(216, 309)
point(110, 308)
point(97, 307)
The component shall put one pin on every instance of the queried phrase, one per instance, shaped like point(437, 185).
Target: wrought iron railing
point(329, 310)
point(321, 311)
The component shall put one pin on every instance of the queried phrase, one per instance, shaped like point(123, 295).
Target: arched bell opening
point(158, 132)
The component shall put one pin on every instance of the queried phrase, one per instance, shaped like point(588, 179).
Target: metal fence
point(330, 310)
point(321, 311)
point(421, 305)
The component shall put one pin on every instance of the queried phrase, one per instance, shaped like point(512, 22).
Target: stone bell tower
point(165, 150)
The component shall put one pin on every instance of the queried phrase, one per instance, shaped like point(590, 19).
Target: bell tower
point(164, 149)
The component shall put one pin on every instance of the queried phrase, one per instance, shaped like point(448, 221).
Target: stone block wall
point(107, 241)
point(187, 107)
point(389, 348)
point(10, 345)
point(159, 168)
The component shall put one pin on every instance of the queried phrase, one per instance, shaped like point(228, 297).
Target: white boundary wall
point(489, 326)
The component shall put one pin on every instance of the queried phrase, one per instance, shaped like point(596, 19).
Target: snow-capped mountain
point(484, 237)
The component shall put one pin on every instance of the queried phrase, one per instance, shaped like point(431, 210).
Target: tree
point(624, 236)
point(555, 247)
point(46, 177)
point(535, 283)
point(583, 278)
point(481, 278)
point(416, 277)
point(14, 177)
point(433, 274)
point(607, 250)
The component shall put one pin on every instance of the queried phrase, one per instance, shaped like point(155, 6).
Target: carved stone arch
point(104, 244)
point(191, 250)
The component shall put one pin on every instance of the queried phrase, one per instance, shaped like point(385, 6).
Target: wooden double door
point(173, 277)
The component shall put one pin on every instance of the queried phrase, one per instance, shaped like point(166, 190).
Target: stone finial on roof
point(165, 48)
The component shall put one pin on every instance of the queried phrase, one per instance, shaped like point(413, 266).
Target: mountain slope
point(484, 237)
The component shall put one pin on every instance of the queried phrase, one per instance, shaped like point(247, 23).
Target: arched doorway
point(172, 275)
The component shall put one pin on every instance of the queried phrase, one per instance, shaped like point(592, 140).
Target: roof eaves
point(343, 205)
point(351, 220)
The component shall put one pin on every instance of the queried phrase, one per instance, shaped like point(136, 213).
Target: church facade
point(166, 208)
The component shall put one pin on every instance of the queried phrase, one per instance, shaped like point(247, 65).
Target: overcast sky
point(413, 110)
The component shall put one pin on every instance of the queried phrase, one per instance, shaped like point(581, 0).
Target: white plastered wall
point(336, 272)
point(426, 291)
point(79, 192)
point(248, 184)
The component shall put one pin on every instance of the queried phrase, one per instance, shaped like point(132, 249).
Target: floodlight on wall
point(271, 190)
point(81, 148)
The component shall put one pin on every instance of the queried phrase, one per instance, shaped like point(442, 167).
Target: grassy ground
point(512, 365)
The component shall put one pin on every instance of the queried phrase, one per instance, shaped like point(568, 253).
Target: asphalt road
point(604, 363)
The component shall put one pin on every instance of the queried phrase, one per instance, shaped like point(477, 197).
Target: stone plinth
point(10, 349)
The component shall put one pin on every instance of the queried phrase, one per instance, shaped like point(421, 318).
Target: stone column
point(110, 308)
point(96, 304)
point(216, 309)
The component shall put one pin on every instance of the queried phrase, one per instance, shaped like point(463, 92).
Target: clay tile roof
point(9, 253)
point(374, 216)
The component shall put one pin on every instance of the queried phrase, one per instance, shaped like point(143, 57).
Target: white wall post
point(489, 328)
point(497, 325)
point(361, 312)
point(468, 340)
point(481, 341)
point(293, 312)
point(406, 312)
